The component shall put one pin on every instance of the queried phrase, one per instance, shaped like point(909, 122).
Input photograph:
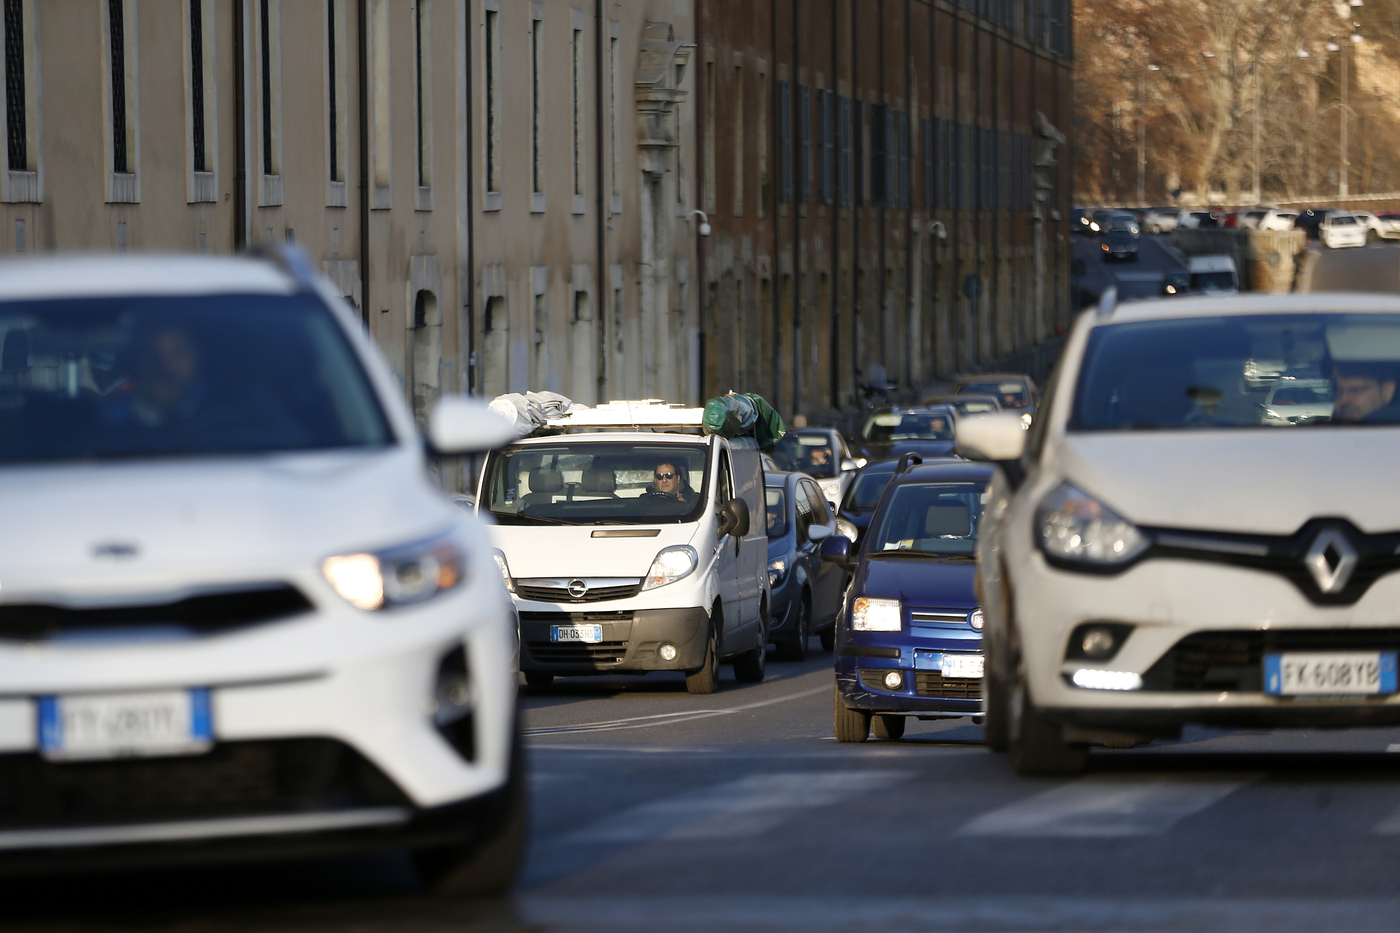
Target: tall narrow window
point(827, 130)
point(269, 42)
point(418, 89)
point(265, 48)
point(576, 129)
point(784, 142)
point(904, 158)
point(197, 140)
point(537, 108)
point(879, 168)
point(710, 171)
point(763, 95)
point(381, 147)
point(804, 143)
point(844, 174)
point(16, 111)
point(614, 116)
point(858, 171)
point(116, 30)
point(333, 108)
point(736, 141)
point(492, 61)
point(926, 142)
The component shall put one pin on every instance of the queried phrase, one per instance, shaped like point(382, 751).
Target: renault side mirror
point(998, 437)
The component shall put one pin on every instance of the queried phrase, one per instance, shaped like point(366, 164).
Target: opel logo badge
point(578, 589)
point(1331, 560)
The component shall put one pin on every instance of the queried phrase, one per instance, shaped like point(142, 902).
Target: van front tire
point(705, 680)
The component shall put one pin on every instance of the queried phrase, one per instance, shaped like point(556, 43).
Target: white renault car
point(1158, 552)
point(237, 619)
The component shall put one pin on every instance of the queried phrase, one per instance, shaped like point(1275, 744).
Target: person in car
point(671, 482)
point(164, 386)
point(1363, 393)
point(819, 461)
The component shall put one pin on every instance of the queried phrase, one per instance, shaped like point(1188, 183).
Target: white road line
point(1109, 805)
point(736, 810)
point(665, 719)
point(1390, 826)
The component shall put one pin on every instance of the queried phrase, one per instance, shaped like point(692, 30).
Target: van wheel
point(488, 867)
point(538, 680)
point(795, 649)
point(706, 679)
point(888, 727)
point(851, 725)
point(1037, 746)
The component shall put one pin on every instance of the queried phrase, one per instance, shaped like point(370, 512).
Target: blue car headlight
point(397, 576)
point(777, 570)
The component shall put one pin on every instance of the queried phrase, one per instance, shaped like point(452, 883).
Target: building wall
point(898, 253)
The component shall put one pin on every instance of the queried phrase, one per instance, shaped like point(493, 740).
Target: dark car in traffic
point(1120, 244)
point(1310, 220)
point(805, 591)
point(967, 404)
point(1016, 391)
point(892, 432)
point(909, 635)
point(862, 498)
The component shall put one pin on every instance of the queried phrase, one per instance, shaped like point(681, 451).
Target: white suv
point(237, 617)
point(1158, 551)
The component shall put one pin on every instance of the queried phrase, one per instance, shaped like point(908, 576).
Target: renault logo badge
point(578, 589)
point(1331, 560)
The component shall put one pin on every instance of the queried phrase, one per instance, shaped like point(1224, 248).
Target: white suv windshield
point(97, 378)
point(1218, 372)
point(598, 483)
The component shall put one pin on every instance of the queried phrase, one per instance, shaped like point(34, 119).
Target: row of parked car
point(1334, 228)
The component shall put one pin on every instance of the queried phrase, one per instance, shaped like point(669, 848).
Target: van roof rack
point(650, 413)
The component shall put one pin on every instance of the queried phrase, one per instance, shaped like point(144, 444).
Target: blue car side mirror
point(836, 550)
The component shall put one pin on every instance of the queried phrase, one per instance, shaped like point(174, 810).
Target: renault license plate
point(122, 725)
point(967, 666)
point(1331, 673)
point(588, 634)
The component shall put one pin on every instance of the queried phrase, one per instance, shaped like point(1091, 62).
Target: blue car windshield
point(174, 376)
point(930, 519)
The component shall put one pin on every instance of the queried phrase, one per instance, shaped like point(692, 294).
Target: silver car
point(1296, 401)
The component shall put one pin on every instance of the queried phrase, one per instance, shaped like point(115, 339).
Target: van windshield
point(579, 483)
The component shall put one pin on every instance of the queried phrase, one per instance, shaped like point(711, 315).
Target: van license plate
point(962, 665)
point(588, 634)
point(1329, 673)
point(122, 725)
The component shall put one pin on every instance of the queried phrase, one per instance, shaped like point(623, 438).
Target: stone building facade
point(512, 192)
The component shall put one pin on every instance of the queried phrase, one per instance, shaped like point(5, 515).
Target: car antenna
point(1108, 301)
point(906, 461)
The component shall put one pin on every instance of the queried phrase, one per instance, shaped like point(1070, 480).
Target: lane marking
point(664, 719)
point(738, 809)
point(1108, 805)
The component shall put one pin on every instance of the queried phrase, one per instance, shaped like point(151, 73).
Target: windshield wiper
point(923, 555)
point(512, 517)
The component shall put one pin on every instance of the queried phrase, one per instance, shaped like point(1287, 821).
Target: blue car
point(909, 637)
point(804, 590)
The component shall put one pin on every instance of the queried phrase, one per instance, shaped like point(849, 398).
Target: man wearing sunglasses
point(668, 481)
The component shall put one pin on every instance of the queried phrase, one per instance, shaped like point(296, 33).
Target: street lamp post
point(1142, 135)
point(1258, 194)
point(1346, 163)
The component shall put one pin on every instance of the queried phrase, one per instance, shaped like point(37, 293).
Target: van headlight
point(670, 565)
point(505, 571)
point(397, 576)
point(1071, 525)
point(876, 615)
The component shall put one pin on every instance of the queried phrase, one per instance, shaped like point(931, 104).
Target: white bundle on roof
point(533, 409)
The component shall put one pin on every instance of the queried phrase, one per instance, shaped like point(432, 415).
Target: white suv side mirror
point(995, 437)
point(461, 425)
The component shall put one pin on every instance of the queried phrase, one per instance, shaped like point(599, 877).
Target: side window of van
point(725, 490)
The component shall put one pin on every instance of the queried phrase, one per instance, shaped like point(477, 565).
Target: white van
point(1215, 274)
point(632, 543)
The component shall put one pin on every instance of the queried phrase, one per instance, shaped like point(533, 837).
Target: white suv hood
point(1265, 480)
point(558, 551)
point(167, 525)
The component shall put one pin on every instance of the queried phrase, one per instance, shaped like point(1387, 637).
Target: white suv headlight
point(876, 615)
point(397, 576)
point(1071, 525)
point(670, 565)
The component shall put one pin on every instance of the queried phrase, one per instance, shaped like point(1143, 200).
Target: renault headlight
point(1071, 525)
point(670, 565)
point(398, 576)
point(876, 615)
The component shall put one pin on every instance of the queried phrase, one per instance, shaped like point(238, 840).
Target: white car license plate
point(1329, 673)
point(588, 634)
point(119, 725)
point(967, 666)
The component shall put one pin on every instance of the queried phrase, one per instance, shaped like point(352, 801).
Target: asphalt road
point(656, 810)
point(1140, 278)
point(1372, 268)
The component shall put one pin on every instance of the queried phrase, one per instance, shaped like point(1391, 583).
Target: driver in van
point(669, 481)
